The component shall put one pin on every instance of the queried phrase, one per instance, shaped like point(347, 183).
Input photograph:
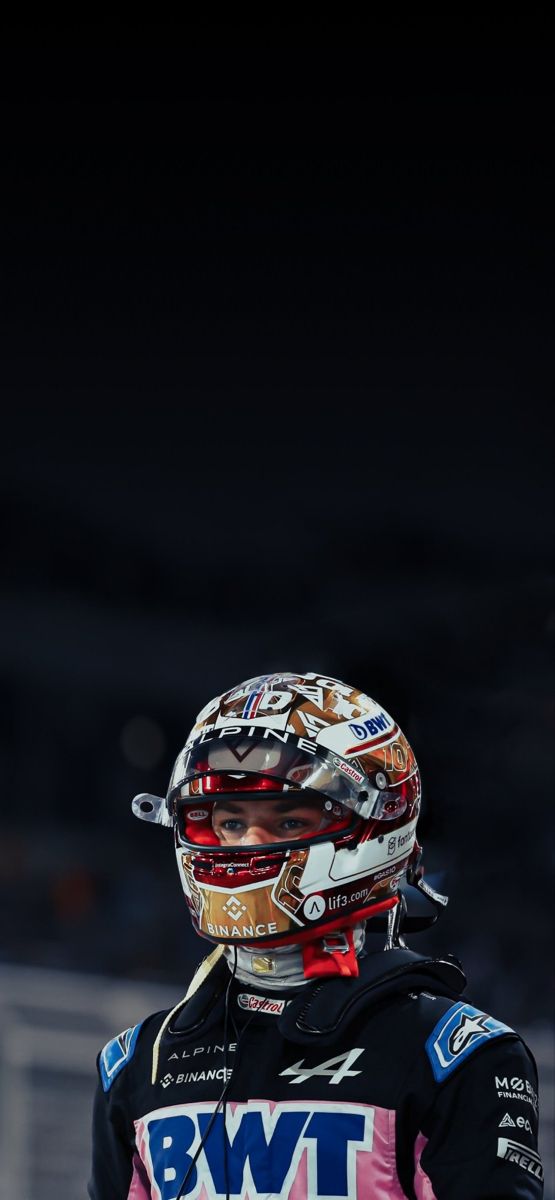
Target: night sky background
point(277, 395)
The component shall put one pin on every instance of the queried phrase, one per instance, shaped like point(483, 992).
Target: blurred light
point(142, 742)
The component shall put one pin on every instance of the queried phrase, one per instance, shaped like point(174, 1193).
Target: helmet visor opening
point(242, 761)
point(259, 817)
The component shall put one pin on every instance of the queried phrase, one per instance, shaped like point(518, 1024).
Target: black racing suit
point(386, 1086)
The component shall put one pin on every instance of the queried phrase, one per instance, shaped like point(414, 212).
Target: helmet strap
point(272, 967)
point(333, 954)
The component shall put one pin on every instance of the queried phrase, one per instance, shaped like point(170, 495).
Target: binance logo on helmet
point(284, 802)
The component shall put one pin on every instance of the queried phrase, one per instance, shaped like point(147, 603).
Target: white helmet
point(300, 740)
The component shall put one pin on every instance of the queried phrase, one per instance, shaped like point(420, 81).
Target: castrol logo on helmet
point(348, 770)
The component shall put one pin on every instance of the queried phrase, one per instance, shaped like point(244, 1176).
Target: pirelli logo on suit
point(523, 1156)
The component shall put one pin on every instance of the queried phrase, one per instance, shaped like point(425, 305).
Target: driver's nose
point(256, 835)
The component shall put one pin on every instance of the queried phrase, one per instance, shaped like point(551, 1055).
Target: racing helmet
point(333, 778)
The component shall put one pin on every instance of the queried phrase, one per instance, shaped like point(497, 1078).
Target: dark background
point(277, 396)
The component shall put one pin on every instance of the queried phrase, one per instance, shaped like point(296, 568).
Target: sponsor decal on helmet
point(343, 899)
point(197, 814)
point(247, 729)
point(314, 907)
point(348, 770)
point(233, 908)
point(242, 931)
point(387, 871)
point(372, 725)
point(254, 1003)
point(397, 841)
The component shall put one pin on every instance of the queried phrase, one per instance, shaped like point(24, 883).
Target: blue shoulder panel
point(457, 1034)
point(116, 1054)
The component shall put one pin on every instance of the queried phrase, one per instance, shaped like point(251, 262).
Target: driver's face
point(257, 822)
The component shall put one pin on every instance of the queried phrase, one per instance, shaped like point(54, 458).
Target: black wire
point(226, 1052)
point(222, 1101)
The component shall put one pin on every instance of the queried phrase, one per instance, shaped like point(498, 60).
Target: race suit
point(380, 1087)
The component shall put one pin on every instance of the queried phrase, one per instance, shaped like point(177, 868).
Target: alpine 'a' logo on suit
point(335, 1069)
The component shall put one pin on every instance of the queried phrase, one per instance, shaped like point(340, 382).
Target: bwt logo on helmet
point(372, 725)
